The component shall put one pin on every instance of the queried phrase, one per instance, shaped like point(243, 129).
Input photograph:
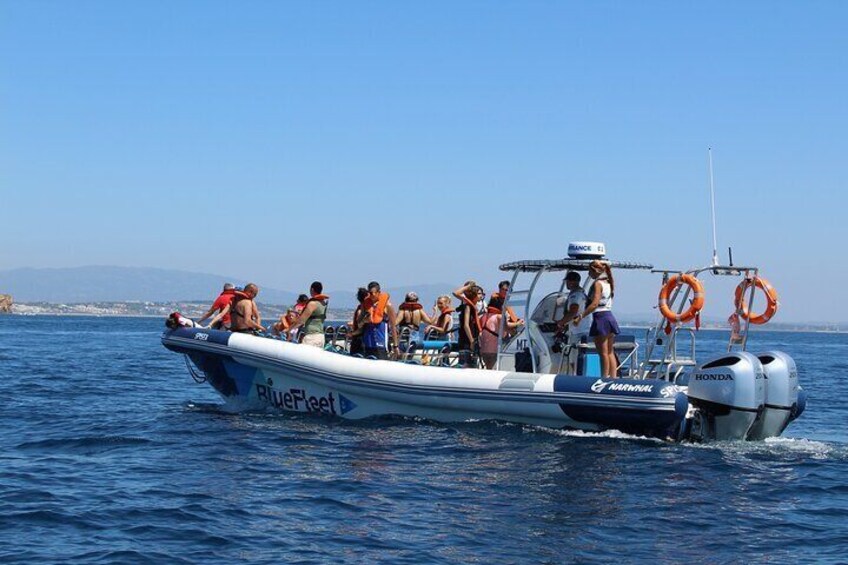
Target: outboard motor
point(728, 395)
point(781, 395)
point(801, 405)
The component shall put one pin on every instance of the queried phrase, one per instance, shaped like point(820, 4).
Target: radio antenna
point(712, 206)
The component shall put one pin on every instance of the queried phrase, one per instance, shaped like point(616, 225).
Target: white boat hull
point(256, 372)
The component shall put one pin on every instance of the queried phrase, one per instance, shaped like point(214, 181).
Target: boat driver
point(574, 304)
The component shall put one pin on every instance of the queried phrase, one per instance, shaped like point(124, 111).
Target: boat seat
point(336, 349)
point(431, 334)
point(432, 352)
point(588, 361)
point(435, 343)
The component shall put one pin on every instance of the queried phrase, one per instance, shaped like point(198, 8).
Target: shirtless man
point(244, 314)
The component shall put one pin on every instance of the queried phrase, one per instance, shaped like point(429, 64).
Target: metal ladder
point(668, 366)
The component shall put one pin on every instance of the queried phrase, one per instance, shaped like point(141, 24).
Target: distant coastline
point(193, 309)
point(132, 309)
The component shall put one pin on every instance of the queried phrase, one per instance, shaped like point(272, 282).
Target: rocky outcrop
point(5, 303)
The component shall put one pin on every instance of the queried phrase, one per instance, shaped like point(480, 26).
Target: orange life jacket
point(509, 311)
point(319, 298)
point(377, 309)
point(445, 312)
point(484, 319)
point(283, 325)
point(238, 296)
point(411, 306)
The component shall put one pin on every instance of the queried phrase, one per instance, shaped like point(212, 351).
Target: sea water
point(110, 453)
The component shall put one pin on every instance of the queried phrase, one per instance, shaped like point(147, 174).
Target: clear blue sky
point(425, 142)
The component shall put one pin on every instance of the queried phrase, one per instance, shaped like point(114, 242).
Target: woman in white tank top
point(604, 325)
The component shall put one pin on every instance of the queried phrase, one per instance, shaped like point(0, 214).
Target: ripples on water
point(110, 453)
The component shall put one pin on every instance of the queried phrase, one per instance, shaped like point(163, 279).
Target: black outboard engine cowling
point(781, 395)
point(728, 395)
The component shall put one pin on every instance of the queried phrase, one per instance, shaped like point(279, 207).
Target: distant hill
point(102, 284)
point(106, 284)
point(147, 284)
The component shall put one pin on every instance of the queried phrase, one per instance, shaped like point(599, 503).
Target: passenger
point(411, 315)
point(357, 325)
point(380, 318)
point(244, 312)
point(257, 316)
point(469, 323)
point(443, 319)
point(503, 290)
point(285, 322)
point(491, 323)
point(221, 309)
point(604, 325)
point(312, 317)
point(735, 327)
point(302, 300)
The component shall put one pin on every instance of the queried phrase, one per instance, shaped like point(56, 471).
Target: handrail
point(198, 378)
point(629, 355)
point(502, 346)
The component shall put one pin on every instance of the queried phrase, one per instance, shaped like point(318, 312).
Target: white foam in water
point(776, 446)
point(818, 449)
point(813, 448)
point(606, 434)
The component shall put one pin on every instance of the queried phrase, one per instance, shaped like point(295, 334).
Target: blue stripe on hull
point(631, 421)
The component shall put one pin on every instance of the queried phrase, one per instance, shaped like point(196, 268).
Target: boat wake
point(606, 434)
point(779, 446)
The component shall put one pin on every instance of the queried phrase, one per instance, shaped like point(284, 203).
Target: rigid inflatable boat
point(542, 377)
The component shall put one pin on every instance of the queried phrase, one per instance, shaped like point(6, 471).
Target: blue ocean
point(110, 453)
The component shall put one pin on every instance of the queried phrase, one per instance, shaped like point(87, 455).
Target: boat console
point(739, 395)
point(539, 342)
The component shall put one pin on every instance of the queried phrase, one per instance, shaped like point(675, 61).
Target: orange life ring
point(697, 299)
point(771, 300)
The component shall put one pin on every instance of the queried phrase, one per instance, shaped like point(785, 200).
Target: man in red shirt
point(221, 307)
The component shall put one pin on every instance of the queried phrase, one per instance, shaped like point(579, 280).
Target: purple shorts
point(603, 324)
